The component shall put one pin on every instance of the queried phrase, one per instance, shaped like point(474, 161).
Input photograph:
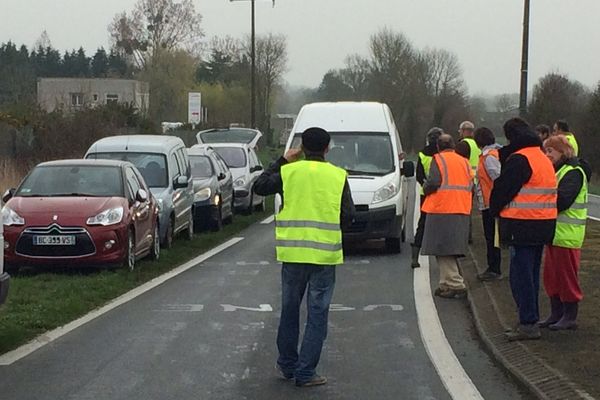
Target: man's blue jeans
point(295, 278)
point(525, 262)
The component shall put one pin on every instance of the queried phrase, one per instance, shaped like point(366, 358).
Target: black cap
point(315, 139)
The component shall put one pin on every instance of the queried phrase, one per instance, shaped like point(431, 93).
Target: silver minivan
point(163, 162)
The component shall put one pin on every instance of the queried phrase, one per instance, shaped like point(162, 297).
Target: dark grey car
point(213, 188)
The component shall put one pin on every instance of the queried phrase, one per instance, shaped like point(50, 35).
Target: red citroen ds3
point(80, 212)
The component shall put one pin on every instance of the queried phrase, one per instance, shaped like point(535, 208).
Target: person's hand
point(292, 155)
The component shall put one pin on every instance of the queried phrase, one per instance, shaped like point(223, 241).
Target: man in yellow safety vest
point(308, 233)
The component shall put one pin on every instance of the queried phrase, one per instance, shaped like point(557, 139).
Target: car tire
point(155, 250)
point(129, 260)
point(217, 223)
point(261, 206)
point(189, 233)
point(250, 207)
point(168, 241)
point(229, 219)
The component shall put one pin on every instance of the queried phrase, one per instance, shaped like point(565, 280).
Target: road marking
point(268, 220)
point(45, 338)
point(261, 308)
point(453, 376)
point(594, 218)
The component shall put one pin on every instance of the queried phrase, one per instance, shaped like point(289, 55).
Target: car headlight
point(239, 182)
point(203, 194)
point(11, 218)
point(107, 217)
point(386, 192)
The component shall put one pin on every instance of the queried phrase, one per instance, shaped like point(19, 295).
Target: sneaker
point(489, 276)
point(524, 332)
point(453, 293)
point(285, 375)
point(314, 381)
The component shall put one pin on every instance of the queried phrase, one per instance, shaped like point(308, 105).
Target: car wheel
point(250, 207)
point(129, 261)
point(155, 251)
point(261, 205)
point(229, 219)
point(190, 229)
point(168, 242)
point(217, 223)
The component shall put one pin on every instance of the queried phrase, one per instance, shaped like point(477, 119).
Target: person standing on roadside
point(524, 197)
point(561, 127)
point(562, 257)
point(487, 172)
point(467, 148)
point(543, 131)
point(448, 201)
point(423, 167)
point(317, 204)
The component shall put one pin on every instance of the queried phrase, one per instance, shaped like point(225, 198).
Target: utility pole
point(524, 62)
point(253, 68)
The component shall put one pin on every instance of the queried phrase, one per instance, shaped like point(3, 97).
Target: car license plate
point(54, 240)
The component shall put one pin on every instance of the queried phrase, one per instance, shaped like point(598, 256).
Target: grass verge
point(39, 302)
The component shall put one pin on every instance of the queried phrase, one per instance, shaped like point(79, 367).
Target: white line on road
point(268, 220)
point(453, 376)
point(594, 218)
point(44, 339)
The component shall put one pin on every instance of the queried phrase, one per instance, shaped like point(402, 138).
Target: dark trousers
point(493, 253)
point(295, 279)
point(525, 262)
point(420, 226)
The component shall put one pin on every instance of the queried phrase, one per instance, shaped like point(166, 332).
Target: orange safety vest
point(454, 196)
point(485, 182)
point(537, 197)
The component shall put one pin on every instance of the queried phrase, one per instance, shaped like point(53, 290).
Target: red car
point(80, 212)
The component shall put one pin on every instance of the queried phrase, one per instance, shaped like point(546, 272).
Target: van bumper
point(4, 283)
point(376, 223)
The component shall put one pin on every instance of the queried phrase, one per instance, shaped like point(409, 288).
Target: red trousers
point(561, 267)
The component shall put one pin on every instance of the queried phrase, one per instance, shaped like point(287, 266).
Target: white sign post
point(194, 108)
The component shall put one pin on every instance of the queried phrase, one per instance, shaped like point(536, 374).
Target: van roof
point(345, 116)
point(136, 143)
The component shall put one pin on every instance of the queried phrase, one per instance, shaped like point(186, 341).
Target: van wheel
point(393, 245)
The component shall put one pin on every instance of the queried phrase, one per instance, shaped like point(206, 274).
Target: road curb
point(540, 378)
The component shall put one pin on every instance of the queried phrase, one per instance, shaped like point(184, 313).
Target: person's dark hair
point(484, 136)
point(315, 140)
point(562, 125)
point(516, 127)
point(445, 142)
point(543, 129)
point(433, 135)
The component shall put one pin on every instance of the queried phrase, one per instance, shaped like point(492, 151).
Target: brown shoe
point(524, 332)
point(453, 293)
point(314, 381)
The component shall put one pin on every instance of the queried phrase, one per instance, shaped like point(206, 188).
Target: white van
point(365, 142)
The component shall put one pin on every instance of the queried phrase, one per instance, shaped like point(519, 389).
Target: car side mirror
point(408, 169)
point(8, 195)
point(180, 182)
point(141, 196)
point(256, 168)
point(221, 176)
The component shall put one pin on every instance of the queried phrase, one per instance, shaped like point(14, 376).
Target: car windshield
point(201, 167)
point(235, 157)
point(73, 180)
point(359, 153)
point(228, 136)
point(152, 166)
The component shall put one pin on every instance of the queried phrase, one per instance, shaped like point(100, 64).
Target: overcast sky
point(484, 34)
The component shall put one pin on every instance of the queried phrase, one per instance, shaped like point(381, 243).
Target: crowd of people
point(532, 195)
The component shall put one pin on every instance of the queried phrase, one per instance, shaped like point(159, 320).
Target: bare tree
point(271, 63)
point(154, 26)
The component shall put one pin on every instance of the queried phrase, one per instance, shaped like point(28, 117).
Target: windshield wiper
point(77, 194)
point(354, 172)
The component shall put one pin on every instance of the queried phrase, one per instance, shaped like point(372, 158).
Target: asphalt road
point(209, 333)
point(594, 206)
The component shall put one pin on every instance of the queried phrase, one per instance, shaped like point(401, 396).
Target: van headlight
point(11, 218)
point(107, 217)
point(203, 194)
point(386, 192)
point(239, 182)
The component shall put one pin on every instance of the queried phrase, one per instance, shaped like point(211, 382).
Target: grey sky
point(484, 34)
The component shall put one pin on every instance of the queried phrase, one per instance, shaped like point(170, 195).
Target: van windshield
point(359, 153)
point(152, 166)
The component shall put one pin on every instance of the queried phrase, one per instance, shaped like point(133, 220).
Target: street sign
point(194, 108)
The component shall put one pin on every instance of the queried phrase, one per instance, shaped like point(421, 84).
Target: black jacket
point(569, 186)
point(269, 182)
point(429, 150)
point(516, 172)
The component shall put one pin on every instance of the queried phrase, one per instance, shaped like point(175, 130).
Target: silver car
point(163, 162)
